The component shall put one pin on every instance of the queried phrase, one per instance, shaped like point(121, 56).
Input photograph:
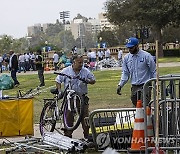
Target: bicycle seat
point(54, 91)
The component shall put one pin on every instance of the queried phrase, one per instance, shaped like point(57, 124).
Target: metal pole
point(63, 15)
point(64, 35)
point(157, 102)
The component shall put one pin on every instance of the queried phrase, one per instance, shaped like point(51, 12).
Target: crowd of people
point(26, 61)
point(29, 61)
point(101, 54)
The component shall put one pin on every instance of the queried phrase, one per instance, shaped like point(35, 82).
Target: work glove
point(119, 90)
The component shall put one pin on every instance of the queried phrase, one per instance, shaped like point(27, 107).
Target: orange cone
point(47, 67)
point(137, 142)
point(150, 133)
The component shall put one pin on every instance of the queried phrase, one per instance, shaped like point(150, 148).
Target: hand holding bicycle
point(87, 81)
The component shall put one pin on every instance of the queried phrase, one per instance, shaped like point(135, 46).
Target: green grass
point(102, 94)
point(169, 59)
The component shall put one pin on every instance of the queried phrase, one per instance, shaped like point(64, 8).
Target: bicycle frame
point(71, 104)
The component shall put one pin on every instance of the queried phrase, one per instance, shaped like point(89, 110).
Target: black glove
point(119, 90)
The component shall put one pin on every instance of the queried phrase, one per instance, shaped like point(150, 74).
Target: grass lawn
point(169, 59)
point(102, 94)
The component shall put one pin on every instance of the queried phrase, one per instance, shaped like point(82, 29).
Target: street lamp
point(63, 16)
point(29, 42)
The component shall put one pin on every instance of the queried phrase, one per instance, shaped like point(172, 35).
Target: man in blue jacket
point(138, 66)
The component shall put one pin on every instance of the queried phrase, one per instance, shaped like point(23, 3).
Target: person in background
point(100, 55)
point(27, 59)
point(40, 67)
point(22, 63)
point(77, 69)
point(93, 56)
point(107, 54)
point(55, 60)
point(139, 67)
point(1, 61)
point(31, 61)
point(13, 66)
point(120, 56)
point(74, 50)
point(89, 55)
point(6, 61)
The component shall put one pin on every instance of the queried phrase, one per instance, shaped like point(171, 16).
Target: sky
point(17, 15)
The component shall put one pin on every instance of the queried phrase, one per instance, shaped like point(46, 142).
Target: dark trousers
point(137, 94)
point(70, 120)
point(1, 67)
point(27, 65)
point(22, 66)
point(55, 66)
point(41, 76)
point(13, 75)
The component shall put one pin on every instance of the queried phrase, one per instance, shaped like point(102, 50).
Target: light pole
point(63, 16)
point(29, 41)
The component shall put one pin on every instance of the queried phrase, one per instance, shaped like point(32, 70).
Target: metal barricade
point(169, 111)
point(112, 127)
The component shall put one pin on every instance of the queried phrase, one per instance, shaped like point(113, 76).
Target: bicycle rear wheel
point(47, 118)
point(73, 111)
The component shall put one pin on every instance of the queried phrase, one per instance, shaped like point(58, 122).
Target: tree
point(79, 16)
point(156, 14)
point(109, 37)
point(53, 29)
point(171, 34)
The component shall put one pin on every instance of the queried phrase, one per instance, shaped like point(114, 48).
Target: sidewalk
point(172, 64)
point(78, 134)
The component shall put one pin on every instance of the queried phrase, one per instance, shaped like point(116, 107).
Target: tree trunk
point(158, 36)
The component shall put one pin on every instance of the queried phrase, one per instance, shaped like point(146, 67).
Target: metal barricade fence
point(112, 127)
point(169, 111)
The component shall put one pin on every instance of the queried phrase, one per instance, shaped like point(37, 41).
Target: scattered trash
point(110, 151)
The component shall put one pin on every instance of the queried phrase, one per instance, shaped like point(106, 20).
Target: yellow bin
point(16, 117)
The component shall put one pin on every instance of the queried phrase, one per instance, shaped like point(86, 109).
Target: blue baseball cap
point(132, 41)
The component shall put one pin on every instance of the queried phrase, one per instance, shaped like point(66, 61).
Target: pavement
point(78, 134)
point(172, 64)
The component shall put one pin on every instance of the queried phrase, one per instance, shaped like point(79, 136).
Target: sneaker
point(16, 85)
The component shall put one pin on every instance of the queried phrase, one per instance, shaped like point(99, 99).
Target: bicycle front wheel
point(73, 111)
point(47, 118)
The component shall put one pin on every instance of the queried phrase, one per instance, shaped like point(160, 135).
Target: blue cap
point(132, 41)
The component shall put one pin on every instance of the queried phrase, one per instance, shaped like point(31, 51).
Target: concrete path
point(172, 64)
point(78, 134)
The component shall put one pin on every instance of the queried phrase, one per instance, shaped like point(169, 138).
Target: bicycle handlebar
point(70, 77)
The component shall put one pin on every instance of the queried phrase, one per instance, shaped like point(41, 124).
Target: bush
point(171, 53)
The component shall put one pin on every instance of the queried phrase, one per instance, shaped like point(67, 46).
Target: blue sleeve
point(125, 73)
point(152, 66)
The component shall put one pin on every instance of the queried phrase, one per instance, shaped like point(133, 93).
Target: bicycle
point(72, 103)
